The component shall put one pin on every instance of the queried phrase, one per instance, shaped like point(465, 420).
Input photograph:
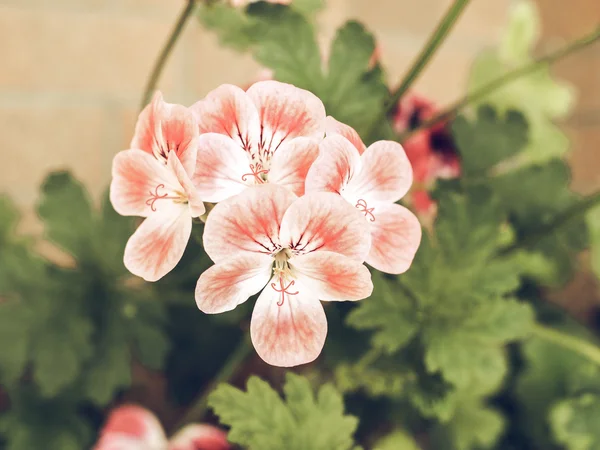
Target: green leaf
point(9, 217)
point(489, 139)
point(474, 425)
point(260, 419)
point(354, 92)
point(110, 370)
point(286, 43)
point(533, 196)
point(398, 440)
point(470, 354)
point(15, 327)
point(576, 422)
point(551, 373)
point(538, 96)
point(35, 423)
point(232, 25)
point(307, 7)
point(60, 350)
point(66, 211)
point(593, 221)
point(389, 311)
point(522, 34)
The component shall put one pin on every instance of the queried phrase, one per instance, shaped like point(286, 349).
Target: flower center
point(257, 171)
point(283, 272)
point(362, 206)
point(155, 196)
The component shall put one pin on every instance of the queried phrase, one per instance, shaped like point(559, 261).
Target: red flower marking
point(283, 290)
point(257, 170)
point(362, 206)
point(154, 196)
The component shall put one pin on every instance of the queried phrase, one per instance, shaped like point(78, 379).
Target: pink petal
point(221, 168)
point(333, 127)
point(291, 163)
point(199, 437)
point(286, 112)
point(131, 427)
point(195, 203)
point(395, 236)
point(248, 222)
point(326, 222)
point(136, 176)
point(230, 111)
point(385, 176)
point(333, 276)
point(163, 127)
point(290, 334)
point(230, 283)
point(336, 165)
point(159, 242)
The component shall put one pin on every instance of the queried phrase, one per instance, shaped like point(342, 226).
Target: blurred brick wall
point(72, 73)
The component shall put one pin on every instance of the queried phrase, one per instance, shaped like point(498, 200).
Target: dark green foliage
point(260, 419)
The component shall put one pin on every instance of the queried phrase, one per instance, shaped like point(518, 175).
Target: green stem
point(166, 51)
point(505, 79)
point(575, 211)
point(577, 345)
point(199, 406)
point(435, 40)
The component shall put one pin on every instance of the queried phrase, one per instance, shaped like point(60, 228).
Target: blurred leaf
point(397, 440)
point(232, 26)
point(34, 423)
point(260, 419)
point(551, 373)
point(522, 33)
point(62, 346)
point(538, 96)
point(473, 425)
point(66, 211)
point(593, 221)
point(533, 196)
point(576, 422)
point(489, 139)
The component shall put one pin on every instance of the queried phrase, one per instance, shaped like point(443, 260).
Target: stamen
point(283, 289)
point(368, 211)
point(154, 196)
point(257, 171)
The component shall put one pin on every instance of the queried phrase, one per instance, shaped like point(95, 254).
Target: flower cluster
point(131, 427)
point(301, 204)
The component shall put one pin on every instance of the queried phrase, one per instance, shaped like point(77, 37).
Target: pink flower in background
point(372, 180)
point(132, 427)
point(300, 250)
point(267, 134)
point(431, 151)
point(153, 180)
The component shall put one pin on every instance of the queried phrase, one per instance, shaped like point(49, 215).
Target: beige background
point(72, 72)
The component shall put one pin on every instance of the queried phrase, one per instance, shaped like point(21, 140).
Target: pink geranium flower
point(153, 180)
point(302, 249)
point(431, 151)
point(267, 134)
point(132, 427)
point(372, 180)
